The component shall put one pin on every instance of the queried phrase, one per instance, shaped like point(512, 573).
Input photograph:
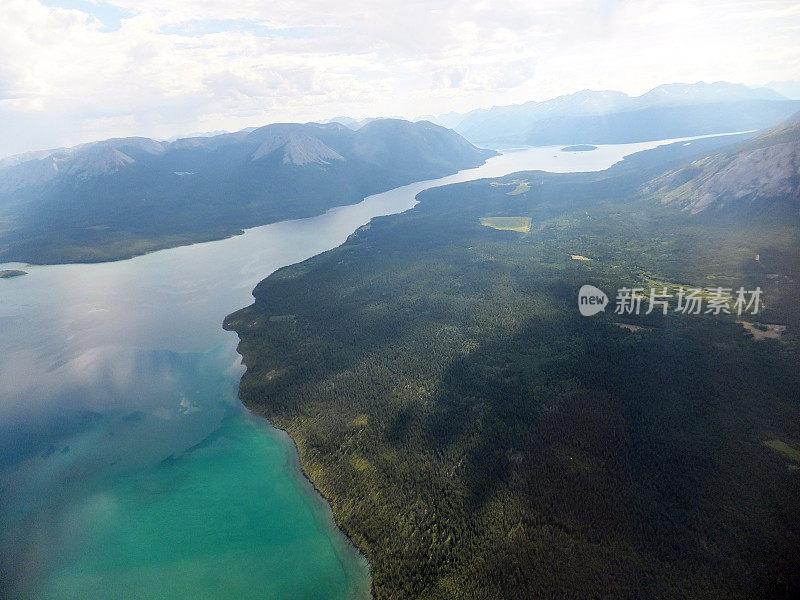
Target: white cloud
point(74, 70)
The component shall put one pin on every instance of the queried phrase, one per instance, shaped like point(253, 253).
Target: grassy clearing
point(520, 224)
point(629, 327)
point(763, 331)
point(783, 449)
point(522, 187)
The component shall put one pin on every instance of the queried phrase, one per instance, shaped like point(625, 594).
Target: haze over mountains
point(121, 197)
point(790, 89)
point(604, 117)
point(125, 196)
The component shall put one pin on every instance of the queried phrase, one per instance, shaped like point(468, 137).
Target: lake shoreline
point(317, 495)
point(165, 309)
point(262, 411)
point(336, 352)
point(143, 246)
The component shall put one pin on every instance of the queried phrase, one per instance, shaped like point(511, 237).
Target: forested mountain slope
point(478, 438)
point(123, 197)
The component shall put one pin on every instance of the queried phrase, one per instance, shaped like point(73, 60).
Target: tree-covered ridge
point(478, 438)
point(123, 197)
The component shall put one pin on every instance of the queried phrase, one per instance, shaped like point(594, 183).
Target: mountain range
point(125, 196)
point(605, 117)
point(119, 197)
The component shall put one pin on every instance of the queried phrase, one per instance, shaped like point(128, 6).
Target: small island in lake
point(579, 148)
point(9, 273)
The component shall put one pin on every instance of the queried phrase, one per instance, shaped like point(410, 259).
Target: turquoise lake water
point(128, 468)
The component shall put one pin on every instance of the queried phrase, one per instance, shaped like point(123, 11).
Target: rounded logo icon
point(591, 300)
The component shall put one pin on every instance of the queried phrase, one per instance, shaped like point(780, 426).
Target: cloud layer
point(78, 70)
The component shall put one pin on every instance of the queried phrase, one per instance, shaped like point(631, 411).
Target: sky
point(73, 71)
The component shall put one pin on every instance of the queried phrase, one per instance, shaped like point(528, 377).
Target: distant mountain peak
point(592, 117)
point(92, 161)
point(298, 148)
point(81, 163)
point(702, 92)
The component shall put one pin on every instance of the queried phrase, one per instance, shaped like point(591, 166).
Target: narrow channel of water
point(128, 468)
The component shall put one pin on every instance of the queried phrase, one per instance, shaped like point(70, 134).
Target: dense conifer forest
point(478, 438)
